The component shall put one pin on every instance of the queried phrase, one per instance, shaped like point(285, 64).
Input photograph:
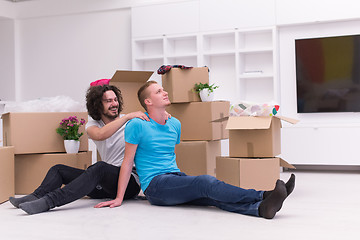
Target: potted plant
point(205, 91)
point(69, 130)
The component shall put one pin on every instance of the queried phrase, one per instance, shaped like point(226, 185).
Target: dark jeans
point(98, 181)
point(178, 188)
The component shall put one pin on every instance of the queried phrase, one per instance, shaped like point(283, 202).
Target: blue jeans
point(98, 181)
point(178, 188)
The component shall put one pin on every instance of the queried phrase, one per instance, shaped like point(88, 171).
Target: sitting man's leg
point(107, 187)
point(55, 178)
point(76, 189)
point(177, 188)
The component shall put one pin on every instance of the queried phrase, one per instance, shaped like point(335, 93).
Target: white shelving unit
point(241, 58)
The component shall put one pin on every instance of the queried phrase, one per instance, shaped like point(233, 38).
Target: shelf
point(228, 54)
point(185, 55)
point(257, 89)
point(149, 58)
point(257, 75)
point(219, 53)
point(181, 45)
point(254, 62)
point(183, 60)
point(148, 48)
point(256, 50)
point(219, 42)
point(255, 39)
point(150, 65)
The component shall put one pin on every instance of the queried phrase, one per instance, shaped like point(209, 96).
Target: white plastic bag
point(49, 104)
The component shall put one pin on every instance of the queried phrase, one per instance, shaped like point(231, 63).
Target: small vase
point(206, 95)
point(72, 146)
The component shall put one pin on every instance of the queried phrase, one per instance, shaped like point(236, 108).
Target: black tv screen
point(328, 74)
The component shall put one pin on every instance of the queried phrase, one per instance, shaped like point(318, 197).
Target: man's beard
point(112, 116)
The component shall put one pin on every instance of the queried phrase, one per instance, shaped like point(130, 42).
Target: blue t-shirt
point(156, 145)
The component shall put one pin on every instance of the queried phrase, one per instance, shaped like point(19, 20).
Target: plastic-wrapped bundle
point(46, 104)
point(244, 108)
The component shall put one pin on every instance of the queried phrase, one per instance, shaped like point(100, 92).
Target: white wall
point(7, 9)
point(7, 59)
point(61, 55)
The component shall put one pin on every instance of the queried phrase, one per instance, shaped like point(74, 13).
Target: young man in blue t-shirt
point(151, 145)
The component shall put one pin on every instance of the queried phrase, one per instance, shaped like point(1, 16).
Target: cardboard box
point(179, 83)
point(255, 136)
point(197, 157)
point(31, 169)
point(196, 119)
point(35, 132)
point(129, 83)
point(250, 173)
point(7, 179)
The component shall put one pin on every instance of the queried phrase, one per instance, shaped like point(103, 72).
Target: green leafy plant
point(200, 86)
point(69, 128)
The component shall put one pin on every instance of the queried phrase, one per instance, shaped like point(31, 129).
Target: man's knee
point(58, 167)
point(206, 179)
point(98, 167)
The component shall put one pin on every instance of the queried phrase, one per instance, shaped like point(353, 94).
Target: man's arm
point(100, 134)
point(124, 176)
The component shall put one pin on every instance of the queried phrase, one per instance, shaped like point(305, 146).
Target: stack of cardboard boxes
point(200, 136)
point(254, 143)
point(37, 147)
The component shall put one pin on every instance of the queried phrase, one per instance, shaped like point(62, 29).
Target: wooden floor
point(324, 205)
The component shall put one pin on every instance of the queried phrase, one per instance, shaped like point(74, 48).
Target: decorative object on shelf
point(72, 146)
point(205, 91)
point(69, 130)
point(244, 108)
point(165, 68)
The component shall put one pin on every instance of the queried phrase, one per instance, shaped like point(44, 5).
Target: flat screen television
point(328, 74)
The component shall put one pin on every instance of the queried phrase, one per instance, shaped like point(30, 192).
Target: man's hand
point(137, 114)
point(113, 203)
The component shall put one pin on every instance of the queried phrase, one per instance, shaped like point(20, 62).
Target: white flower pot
point(206, 95)
point(72, 146)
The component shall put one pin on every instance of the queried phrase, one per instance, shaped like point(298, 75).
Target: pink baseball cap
point(100, 82)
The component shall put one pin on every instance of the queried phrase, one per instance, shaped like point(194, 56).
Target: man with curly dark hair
point(106, 128)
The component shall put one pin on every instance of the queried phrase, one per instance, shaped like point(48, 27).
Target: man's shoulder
point(134, 122)
point(174, 119)
point(92, 122)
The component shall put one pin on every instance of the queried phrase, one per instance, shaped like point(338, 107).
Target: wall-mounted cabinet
point(163, 19)
point(241, 62)
point(218, 15)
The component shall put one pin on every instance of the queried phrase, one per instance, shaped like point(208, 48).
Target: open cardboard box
point(7, 172)
point(129, 83)
point(250, 173)
point(255, 136)
point(179, 83)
